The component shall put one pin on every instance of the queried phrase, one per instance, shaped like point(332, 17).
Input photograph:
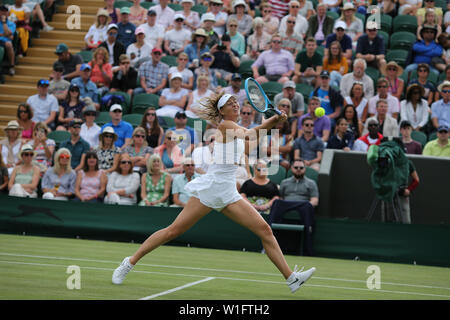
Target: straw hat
point(26, 148)
point(201, 32)
point(383, 70)
point(13, 125)
point(444, 84)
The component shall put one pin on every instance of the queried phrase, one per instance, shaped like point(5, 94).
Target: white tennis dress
point(217, 188)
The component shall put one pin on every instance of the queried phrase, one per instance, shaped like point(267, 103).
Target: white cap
point(371, 25)
point(112, 25)
point(176, 75)
point(340, 24)
point(208, 17)
point(178, 16)
point(223, 100)
point(115, 107)
point(239, 2)
point(183, 1)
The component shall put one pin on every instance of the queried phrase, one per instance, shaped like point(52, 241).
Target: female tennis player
point(217, 190)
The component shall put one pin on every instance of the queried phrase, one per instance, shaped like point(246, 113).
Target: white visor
point(223, 100)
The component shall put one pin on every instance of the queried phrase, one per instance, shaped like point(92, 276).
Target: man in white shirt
point(154, 32)
point(44, 105)
point(301, 24)
point(90, 131)
point(203, 155)
point(393, 103)
point(176, 39)
point(164, 13)
point(358, 75)
point(221, 16)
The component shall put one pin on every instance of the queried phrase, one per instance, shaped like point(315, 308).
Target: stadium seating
point(419, 137)
point(431, 77)
point(271, 88)
point(305, 90)
point(398, 56)
point(59, 136)
point(121, 4)
point(144, 100)
point(405, 23)
point(432, 136)
point(386, 23)
point(102, 118)
point(175, 6)
point(86, 55)
point(167, 122)
point(147, 5)
point(133, 118)
point(402, 40)
point(201, 9)
point(245, 68)
point(385, 36)
point(126, 104)
point(333, 15)
point(171, 61)
point(373, 73)
point(279, 176)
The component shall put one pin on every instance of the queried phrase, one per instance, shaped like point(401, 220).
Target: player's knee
point(173, 232)
point(265, 231)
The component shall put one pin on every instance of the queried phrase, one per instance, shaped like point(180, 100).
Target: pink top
point(28, 134)
point(89, 186)
point(96, 73)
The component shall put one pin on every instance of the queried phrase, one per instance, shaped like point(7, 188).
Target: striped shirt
point(280, 8)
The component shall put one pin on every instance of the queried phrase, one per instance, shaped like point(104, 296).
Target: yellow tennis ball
point(320, 112)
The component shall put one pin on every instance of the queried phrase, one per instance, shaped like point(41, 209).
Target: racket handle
point(278, 111)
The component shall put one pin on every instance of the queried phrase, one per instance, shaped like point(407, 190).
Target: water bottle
point(70, 114)
point(119, 75)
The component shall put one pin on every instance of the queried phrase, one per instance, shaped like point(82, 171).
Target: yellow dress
point(24, 34)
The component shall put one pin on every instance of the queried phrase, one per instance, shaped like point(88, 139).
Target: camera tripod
point(394, 203)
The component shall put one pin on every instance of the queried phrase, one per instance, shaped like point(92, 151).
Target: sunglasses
point(125, 162)
point(309, 124)
point(189, 165)
point(157, 53)
point(216, 4)
point(373, 125)
point(267, 11)
point(381, 86)
point(117, 111)
point(207, 59)
point(295, 6)
point(64, 156)
point(23, 111)
point(90, 114)
point(276, 41)
point(372, 30)
point(139, 136)
point(284, 105)
point(291, 22)
point(422, 70)
point(76, 127)
point(392, 69)
point(108, 136)
point(233, 25)
point(150, 114)
point(27, 154)
point(246, 113)
point(442, 131)
point(445, 91)
point(127, 62)
point(298, 168)
point(179, 20)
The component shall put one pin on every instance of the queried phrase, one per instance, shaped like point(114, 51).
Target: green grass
point(35, 268)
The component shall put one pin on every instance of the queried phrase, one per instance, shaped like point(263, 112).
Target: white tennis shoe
point(120, 273)
point(298, 278)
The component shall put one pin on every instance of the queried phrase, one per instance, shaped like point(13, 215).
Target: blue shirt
point(124, 130)
point(76, 150)
point(324, 100)
point(441, 111)
point(423, 53)
point(126, 33)
point(11, 26)
point(66, 182)
point(191, 51)
point(88, 89)
point(186, 137)
point(178, 187)
point(308, 149)
point(346, 41)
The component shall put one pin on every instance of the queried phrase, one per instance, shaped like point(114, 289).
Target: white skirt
point(215, 190)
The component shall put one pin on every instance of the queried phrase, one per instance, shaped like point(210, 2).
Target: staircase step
point(88, 19)
point(15, 89)
point(63, 35)
point(39, 71)
point(63, 26)
point(37, 61)
point(10, 100)
point(75, 45)
point(4, 119)
point(22, 80)
point(90, 9)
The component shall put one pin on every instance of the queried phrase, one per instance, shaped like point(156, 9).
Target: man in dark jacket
point(314, 22)
point(114, 47)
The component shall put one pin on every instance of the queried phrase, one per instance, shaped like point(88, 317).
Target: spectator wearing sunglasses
point(176, 39)
point(439, 147)
point(107, 153)
point(414, 108)
point(24, 116)
point(43, 147)
point(71, 108)
point(247, 117)
point(44, 105)
point(206, 61)
point(180, 195)
point(25, 177)
point(154, 132)
point(322, 125)
point(383, 93)
point(115, 47)
point(371, 47)
point(124, 77)
point(373, 137)
point(226, 59)
point(90, 131)
point(235, 88)
point(153, 74)
point(430, 92)
point(58, 86)
point(123, 129)
point(122, 183)
point(301, 194)
point(138, 150)
point(308, 146)
point(91, 182)
point(440, 110)
point(71, 62)
point(58, 182)
point(88, 89)
point(76, 145)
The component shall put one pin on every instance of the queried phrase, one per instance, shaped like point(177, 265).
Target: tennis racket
point(258, 98)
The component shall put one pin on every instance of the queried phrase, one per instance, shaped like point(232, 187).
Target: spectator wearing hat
point(58, 182)
point(330, 99)
point(372, 137)
point(440, 110)
point(25, 177)
point(279, 63)
point(206, 60)
point(140, 51)
point(71, 108)
point(124, 77)
point(335, 63)
point(235, 88)
point(392, 72)
point(126, 29)
point(7, 30)
point(423, 51)
point(88, 89)
point(107, 152)
point(43, 147)
point(344, 40)
point(207, 23)
point(354, 26)
point(186, 136)
point(191, 18)
point(165, 15)
point(97, 33)
point(226, 59)
point(258, 41)
point(115, 48)
point(300, 26)
point(197, 47)
point(177, 38)
point(411, 146)
point(430, 92)
point(44, 105)
point(243, 19)
point(90, 131)
point(371, 47)
point(10, 146)
point(308, 64)
point(320, 25)
point(172, 99)
point(414, 108)
point(388, 126)
point(321, 125)
point(215, 7)
point(292, 41)
point(137, 13)
point(439, 147)
point(153, 74)
point(181, 67)
point(101, 73)
point(71, 62)
point(76, 145)
point(382, 93)
point(122, 129)
point(358, 75)
point(296, 98)
point(58, 86)
point(154, 32)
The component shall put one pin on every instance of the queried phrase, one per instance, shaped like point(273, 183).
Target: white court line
point(236, 279)
point(177, 288)
point(216, 270)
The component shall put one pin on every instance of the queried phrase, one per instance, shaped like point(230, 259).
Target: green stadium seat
point(86, 55)
point(405, 23)
point(102, 118)
point(373, 73)
point(133, 118)
point(201, 9)
point(272, 88)
point(385, 36)
point(333, 15)
point(147, 5)
point(305, 89)
point(441, 77)
point(402, 40)
point(168, 122)
point(419, 137)
point(432, 136)
point(59, 136)
point(145, 100)
point(279, 176)
point(121, 4)
point(245, 69)
point(2, 54)
point(386, 23)
point(126, 104)
point(222, 82)
point(312, 174)
point(191, 123)
point(441, 4)
point(171, 61)
point(175, 6)
point(361, 17)
point(398, 56)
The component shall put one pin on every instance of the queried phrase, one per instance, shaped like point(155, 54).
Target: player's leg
point(192, 212)
point(244, 214)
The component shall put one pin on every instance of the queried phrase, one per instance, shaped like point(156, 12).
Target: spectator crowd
point(307, 55)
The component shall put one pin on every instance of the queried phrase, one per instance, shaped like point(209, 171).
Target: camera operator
point(404, 193)
point(226, 60)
